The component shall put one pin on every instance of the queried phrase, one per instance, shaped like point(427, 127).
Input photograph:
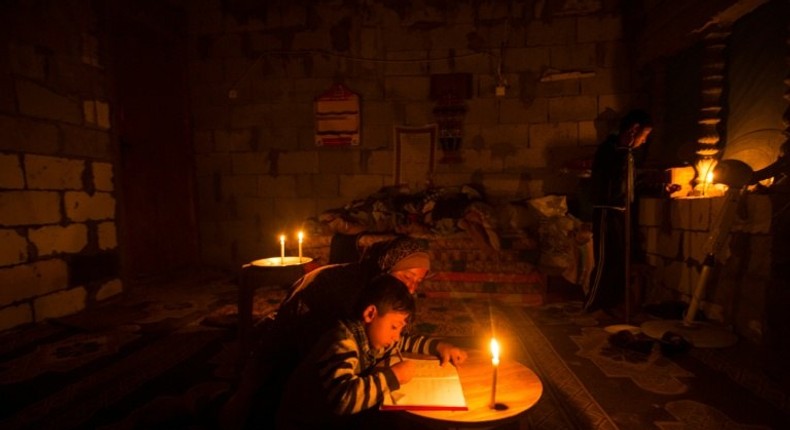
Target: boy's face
point(383, 329)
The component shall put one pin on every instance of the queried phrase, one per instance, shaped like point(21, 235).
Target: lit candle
point(300, 235)
point(495, 362)
point(282, 249)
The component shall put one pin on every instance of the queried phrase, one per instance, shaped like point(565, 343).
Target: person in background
point(316, 301)
point(342, 379)
point(608, 185)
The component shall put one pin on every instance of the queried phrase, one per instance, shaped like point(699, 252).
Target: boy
point(343, 375)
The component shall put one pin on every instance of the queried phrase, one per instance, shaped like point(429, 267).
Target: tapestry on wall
point(337, 117)
point(414, 155)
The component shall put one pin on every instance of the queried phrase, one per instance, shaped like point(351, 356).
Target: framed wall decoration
point(337, 117)
point(415, 152)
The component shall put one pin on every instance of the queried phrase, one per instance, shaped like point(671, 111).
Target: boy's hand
point(450, 353)
point(404, 371)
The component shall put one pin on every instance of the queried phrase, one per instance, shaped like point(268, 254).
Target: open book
point(433, 387)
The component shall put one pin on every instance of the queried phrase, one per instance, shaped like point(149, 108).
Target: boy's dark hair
point(388, 294)
point(635, 116)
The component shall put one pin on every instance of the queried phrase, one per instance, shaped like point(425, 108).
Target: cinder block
point(109, 289)
point(553, 134)
point(30, 280)
point(240, 185)
point(378, 113)
point(680, 214)
point(378, 162)
point(298, 162)
point(57, 239)
point(108, 235)
point(359, 186)
point(103, 115)
point(326, 186)
point(305, 90)
point(102, 176)
point(608, 81)
point(291, 213)
point(499, 185)
point(697, 246)
point(13, 249)
point(250, 115)
point(279, 186)
point(577, 56)
point(60, 304)
point(28, 136)
point(11, 172)
point(338, 162)
point(484, 112)
point(700, 215)
point(82, 206)
point(559, 88)
point(79, 141)
point(96, 113)
point(208, 165)
point(524, 159)
point(516, 111)
point(558, 31)
point(514, 136)
point(600, 28)
point(578, 108)
point(239, 140)
point(53, 173)
point(13, 316)
point(444, 178)
point(249, 163)
point(588, 134)
point(651, 211)
point(669, 244)
point(39, 101)
point(407, 87)
point(650, 235)
point(375, 137)
point(533, 58)
point(29, 207)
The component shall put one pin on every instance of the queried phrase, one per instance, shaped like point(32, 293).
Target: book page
point(433, 387)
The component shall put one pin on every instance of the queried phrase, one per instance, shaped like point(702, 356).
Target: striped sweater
point(342, 376)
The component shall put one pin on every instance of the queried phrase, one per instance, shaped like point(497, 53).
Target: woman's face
point(411, 277)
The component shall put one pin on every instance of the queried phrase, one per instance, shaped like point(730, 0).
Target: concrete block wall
point(58, 241)
point(254, 74)
point(674, 234)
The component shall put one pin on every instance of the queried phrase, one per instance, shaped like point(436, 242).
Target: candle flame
point(494, 352)
point(282, 238)
point(300, 235)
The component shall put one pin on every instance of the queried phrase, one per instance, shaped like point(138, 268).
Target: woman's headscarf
point(398, 254)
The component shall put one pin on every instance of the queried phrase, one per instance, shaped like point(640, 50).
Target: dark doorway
point(157, 221)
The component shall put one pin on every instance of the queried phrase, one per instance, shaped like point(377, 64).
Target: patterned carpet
point(162, 357)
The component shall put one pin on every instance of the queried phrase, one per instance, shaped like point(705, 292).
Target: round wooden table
point(518, 389)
